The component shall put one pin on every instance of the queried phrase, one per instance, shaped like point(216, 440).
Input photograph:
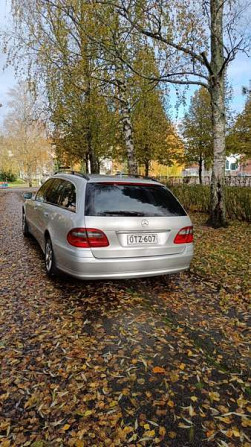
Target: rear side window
point(52, 195)
point(62, 193)
point(118, 199)
point(67, 196)
point(43, 191)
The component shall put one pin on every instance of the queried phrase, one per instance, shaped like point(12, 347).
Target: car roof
point(121, 178)
point(97, 178)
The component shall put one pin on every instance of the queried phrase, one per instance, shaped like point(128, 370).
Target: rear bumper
point(93, 268)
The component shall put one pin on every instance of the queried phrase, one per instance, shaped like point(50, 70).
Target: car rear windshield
point(127, 199)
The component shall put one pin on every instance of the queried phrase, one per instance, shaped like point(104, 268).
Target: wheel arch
point(46, 236)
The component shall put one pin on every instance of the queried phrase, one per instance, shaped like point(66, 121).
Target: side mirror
point(27, 195)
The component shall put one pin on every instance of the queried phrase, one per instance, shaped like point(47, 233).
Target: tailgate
point(134, 237)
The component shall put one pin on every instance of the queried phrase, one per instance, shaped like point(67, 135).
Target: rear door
point(35, 209)
point(44, 210)
point(62, 208)
point(138, 219)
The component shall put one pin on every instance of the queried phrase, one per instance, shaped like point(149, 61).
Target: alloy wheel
point(48, 255)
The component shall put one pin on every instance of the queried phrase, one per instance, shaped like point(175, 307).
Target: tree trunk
point(200, 169)
point(87, 164)
point(127, 128)
point(93, 161)
point(85, 51)
point(90, 151)
point(29, 180)
point(217, 209)
point(29, 176)
point(147, 166)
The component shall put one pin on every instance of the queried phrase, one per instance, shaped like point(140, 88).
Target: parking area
point(159, 361)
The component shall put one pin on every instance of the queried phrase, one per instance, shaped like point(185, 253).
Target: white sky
point(239, 74)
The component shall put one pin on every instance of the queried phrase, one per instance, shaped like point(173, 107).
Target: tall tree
point(151, 131)
point(196, 41)
point(239, 136)
point(150, 122)
point(197, 131)
point(8, 163)
point(63, 62)
point(112, 73)
point(25, 135)
point(84, 131)
point(67, 45)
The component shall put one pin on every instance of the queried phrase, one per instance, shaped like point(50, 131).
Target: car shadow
point(93, 297)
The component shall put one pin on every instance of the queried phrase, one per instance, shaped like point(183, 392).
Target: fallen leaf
point(172, 434)
point(158, 370)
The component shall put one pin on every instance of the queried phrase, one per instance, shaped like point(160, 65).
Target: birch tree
point(63, 62)
point(113, 45)
point(65, 44)
point(197, 131)
point(196, 41)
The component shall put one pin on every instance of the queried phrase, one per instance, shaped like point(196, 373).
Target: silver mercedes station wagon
point(100, 227)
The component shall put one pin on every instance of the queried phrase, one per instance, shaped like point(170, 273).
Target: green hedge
point(197, 198)
point(7, 176)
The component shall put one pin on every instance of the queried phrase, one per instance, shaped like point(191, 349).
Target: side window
point(58, 192)
point(67, 198)
point(41, 194)
point(53, 193)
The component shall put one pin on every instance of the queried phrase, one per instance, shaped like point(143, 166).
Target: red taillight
point(87, 237)
point(184, 236)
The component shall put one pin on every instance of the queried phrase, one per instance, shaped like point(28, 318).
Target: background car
point(99, 227)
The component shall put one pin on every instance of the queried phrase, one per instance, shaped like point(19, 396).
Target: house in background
point(244, 168)
point(232, 164)
point(236, 165)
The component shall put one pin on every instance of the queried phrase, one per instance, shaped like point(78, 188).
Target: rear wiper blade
point(121, 213)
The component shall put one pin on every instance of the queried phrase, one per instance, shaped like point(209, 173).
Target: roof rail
point(138, 176)
point(67, 170)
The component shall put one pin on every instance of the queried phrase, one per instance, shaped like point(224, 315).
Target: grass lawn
point(223, 255)
point(21, 184)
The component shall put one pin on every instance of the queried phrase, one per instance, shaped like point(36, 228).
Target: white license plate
point(142, 239)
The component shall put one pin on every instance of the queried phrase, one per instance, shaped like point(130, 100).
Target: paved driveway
point(116, 363)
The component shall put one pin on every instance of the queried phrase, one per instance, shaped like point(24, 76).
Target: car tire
point(50, 265)
point(25, 228)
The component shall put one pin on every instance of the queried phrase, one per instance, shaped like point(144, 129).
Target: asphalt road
point(17, 190)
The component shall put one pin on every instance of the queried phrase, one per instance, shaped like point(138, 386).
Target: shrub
point(197, 198)
point(7, 176)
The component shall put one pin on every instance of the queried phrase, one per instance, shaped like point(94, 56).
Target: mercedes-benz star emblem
point(144, 223)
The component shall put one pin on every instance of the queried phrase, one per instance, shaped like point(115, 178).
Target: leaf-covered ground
point(161, 361)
